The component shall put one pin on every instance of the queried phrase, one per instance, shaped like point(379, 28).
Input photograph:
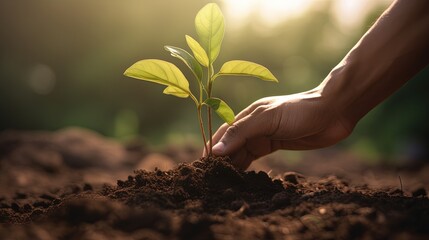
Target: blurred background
point(61, 64)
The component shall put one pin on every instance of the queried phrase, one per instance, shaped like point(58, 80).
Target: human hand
point(374, 68)
point(297, 122)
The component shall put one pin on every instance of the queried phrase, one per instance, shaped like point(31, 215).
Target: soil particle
point(293, 177)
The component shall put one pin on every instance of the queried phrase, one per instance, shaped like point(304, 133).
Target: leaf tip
point(127, 72)
point(275, 79)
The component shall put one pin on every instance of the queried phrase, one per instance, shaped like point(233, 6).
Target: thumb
point(236, 135)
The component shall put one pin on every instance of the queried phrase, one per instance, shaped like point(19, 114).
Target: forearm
point(385, 58)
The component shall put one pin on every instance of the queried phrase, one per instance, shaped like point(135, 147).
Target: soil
point(64, 185)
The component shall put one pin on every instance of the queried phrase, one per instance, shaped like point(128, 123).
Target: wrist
point(341, 92)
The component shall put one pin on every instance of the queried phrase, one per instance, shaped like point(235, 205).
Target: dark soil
point(63, 185)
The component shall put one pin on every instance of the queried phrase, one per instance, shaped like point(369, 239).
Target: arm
point(385, 58)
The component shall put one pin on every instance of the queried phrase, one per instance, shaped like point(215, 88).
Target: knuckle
point(263, 101)
point(260, 109)
point(233, 131)
point(266, 111)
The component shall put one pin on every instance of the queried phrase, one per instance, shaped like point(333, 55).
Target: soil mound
point(212, 184)
point(44, 195)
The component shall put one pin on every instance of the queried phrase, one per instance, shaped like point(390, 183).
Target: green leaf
point(170, 90)
point(210, 26)
point(198, 51)
point(246, 68)
point(188, 59)
point(161, 72)
point(222, 109)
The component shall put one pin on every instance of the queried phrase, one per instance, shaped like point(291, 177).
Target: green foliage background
point(61, 64)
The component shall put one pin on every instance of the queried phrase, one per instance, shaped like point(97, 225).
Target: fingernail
point(218, 148)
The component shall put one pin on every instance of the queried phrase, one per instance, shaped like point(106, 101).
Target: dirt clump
point(212, 182)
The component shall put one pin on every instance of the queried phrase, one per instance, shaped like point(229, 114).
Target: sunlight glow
point(269, 12)
point(348, 13)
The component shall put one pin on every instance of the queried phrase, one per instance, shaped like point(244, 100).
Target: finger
point(246, 111)
point(244, 160)
point(204, 152)
point(238, 157)
point(236, 135)
point(216, 137)
point(252, 107)
point(245, 165)
point(222, 129)
point(219, 133)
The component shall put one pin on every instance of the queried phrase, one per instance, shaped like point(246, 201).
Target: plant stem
point(200, 118)
point(209, 116)
point(203, 134)
point(209, 110)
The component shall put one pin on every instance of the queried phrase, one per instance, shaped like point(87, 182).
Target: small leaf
point(161, 72)
point(246, 68)
point(188, 59)
point(198, 51)
point(170, 90)
point(210, 26)
point(222, 109)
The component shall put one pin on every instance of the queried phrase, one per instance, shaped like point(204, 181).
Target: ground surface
point(75, 184)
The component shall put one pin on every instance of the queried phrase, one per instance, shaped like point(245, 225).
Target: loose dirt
point(58, 186)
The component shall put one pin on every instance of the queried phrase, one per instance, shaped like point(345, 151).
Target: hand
point(378, 65)
point(298, 122)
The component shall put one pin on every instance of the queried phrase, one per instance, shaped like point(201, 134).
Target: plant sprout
point(210, 28)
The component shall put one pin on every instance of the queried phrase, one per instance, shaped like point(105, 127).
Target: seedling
point(210, 28)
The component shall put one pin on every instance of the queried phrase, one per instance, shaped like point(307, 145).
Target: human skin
point(389, 54)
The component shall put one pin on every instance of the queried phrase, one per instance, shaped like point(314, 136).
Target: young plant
point(210, 28)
